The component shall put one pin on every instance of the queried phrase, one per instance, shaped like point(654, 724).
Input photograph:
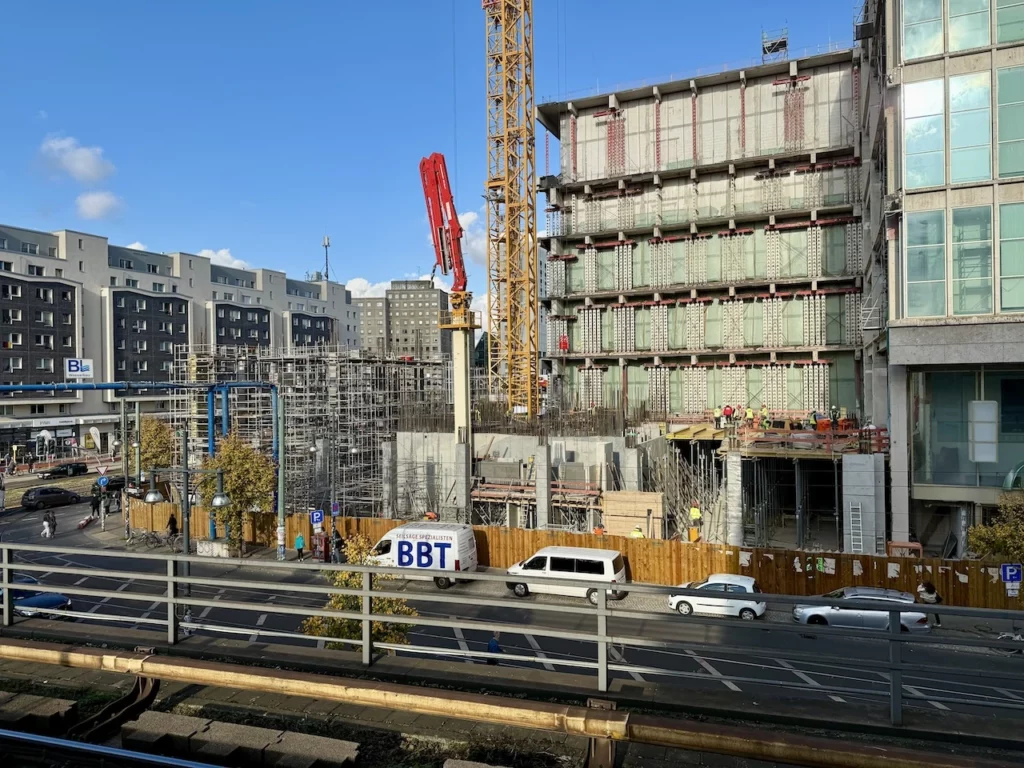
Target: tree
point(156, 446)
point(358, 549)
point(1004, 538)
point(249, 481)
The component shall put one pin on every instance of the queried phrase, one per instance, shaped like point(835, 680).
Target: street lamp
point(138, 461)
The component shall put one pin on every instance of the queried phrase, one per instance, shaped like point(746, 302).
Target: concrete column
point(801, 521)
point(460, 507)
point(899, 452)
point(734, 500)
point(542, 472)
point(461, 362)
point(389, 463)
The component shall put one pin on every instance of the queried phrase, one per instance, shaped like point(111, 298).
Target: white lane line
point(81, 581)
point(461, 638)
point(540, 654)
point(320, 644)
point(712, 671)
point(259, 623)
point(149, 611)
point(206, 611)
point(619, 658)
point(1009, 694)
point(916, 692)
point(805, 677)
point(45, 575)
point(121, 588)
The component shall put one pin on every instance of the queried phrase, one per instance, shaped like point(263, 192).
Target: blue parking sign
point(1011, 572)
point(103, 481)
point(316, 517)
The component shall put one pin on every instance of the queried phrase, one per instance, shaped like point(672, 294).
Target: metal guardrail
point(164, 572)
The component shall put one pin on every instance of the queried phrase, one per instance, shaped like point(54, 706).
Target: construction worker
point(764, 415)
point(813, 419)
point(599, 530)
point(637, 533)
point(718, 416)
point(727, 414)
point(749, 415)
point(695, 514)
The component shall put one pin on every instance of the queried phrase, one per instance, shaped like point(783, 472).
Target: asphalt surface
point(747, 651)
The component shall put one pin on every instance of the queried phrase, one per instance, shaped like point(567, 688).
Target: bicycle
point(1015, 637)
point(136, 536)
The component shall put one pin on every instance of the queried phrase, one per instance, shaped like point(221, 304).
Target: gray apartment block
point(405, 320)
point(74, 295)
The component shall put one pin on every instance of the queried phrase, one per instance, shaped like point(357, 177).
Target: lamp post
point(138, 462)
point(219, 501)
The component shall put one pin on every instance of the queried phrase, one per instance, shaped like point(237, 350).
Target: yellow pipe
point(573, 720)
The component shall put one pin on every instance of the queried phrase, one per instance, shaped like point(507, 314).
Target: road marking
point(206, 611)
point(81, 581)
point(45, 575)
point(916, 692)
point(712, 671)
point(461, 638)
point(540, 654)
point(320, 644)
point(152, 607)
point(618, 657)
point(806, 678)
point(259, 623)
point(1009, 694)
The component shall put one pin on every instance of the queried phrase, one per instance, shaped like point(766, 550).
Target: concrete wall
point(864, 485)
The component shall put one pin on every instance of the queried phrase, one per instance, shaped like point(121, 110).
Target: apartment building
point(704, 241)
point(74, 295)
point(949, 149)
point(405, 320)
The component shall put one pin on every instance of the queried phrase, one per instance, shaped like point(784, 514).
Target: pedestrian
point(104, 510)
point(3, 494)
point(172, 525)
point(637, 533)
point(336, 546)
point(94, 506)
point(718, 416)
point(53, 522)
point(31, 462)
point(300, 544)
point(493, 646)
point(47, 531)
point(928, 595)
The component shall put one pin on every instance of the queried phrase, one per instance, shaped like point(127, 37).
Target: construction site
point(705, 249)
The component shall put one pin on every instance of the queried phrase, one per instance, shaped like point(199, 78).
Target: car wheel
point(39, 505)
point(520, 590)
point(748, 614)
point(819, 621)
point(592, 596)
point(443, 582)
point(684, 608)
point(74, 499)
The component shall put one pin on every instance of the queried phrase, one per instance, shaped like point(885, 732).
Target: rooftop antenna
point(327, 257)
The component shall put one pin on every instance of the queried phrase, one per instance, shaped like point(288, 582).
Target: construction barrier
point(970, 583)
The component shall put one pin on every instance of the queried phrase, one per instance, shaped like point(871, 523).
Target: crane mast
point(511, 206)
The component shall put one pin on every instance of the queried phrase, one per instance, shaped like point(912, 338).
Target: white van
point(579, 563)
point(428, 546)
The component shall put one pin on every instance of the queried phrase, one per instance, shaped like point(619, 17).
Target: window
point(166, 327)
point(81, 266)
point(44, 294)
point(120, 301)
point(45, 364)
point(36, 271)
point(1011, 257)
point(923, 132)
point(58, 272)
point(43, 318)
point(246, 298)
point(113, 281)
point(968, 24)
point(166, 308)
point(229, 297)
point(131, 283)
point(182, 309)
point(141, 305)
point(139, 347)
point(62, 408)
point(140, 366)
point(174, 287)
point(12, 364)
point(972, 260)
point(65, 318)
point(3, 243)
point(122, 365)
point(235, 315)
point(67, 341)
point(10, 316)
point(158, 287)
point(926, 264)
point(536, 564)
point(31, 248)
point(66, 296)
point(10, 291)
point(80, 245)
point(11, 340)
point(166, 366)
point(1010, 95)
point(590, 567)
point(139, 326)
point(153, 269)
point(6, 266)
point(37, 410)
point(122, 344)
point(43, 340)
point(1009, 20)
point(181, 328)
point(126, 264)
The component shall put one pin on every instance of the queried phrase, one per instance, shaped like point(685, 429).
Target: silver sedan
point(838, 615)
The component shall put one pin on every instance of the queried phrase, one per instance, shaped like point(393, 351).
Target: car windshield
point(839, 594)
point(698, 584)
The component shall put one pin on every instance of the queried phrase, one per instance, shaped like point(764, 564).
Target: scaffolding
point(342, 413)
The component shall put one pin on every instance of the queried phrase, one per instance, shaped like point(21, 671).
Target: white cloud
point(83, 164)
point(474, 237)
point(362, 288)
point(223, 258)
point(137, 246)
point(96, 205)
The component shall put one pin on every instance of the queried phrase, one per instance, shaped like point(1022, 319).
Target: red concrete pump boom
point(444, 221)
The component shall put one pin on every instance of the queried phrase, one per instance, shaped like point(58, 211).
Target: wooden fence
point(655, 561)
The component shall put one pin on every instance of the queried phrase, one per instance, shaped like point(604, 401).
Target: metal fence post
point(895, 673)
point(172, 603)
point(367, 605)
point(602, 642)
point(8, 590)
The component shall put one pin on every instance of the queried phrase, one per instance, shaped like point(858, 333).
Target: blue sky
point(253, 128)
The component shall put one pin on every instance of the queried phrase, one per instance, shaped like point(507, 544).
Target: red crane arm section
point(445, 228)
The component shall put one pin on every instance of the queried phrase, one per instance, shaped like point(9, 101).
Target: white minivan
point(535, 573)
point(428, 546)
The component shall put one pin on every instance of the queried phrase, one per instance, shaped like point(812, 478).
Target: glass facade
point(940, 426)
point(972, 260)
point(1009, 21)
point(1010, 95)
point(926, 264)
point(968, 24)
point(1011, 257)
point(924, 134)
point(922, 28)
point(970, 127)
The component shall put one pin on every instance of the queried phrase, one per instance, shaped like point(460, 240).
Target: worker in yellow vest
point(749, 414)
point(695, 514)
point(764, 415)
point(637, 533)
point(718, 416)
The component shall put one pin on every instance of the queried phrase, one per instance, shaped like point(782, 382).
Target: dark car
point(28, 603)
point(39, 498)
point(64, 470)
point(115, 484)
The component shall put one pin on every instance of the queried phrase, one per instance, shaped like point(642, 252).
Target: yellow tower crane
point(511, 207)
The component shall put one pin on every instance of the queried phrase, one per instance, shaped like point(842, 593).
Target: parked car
point(28, 603)
point(580, 563)
point(723, 594)
point(39, 498)
point(70, 469)
point(838, 615)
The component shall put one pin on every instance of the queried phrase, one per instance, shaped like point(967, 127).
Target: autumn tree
point(249, 481)
point(358, 551)
point(156, 446)
point(1004, 538)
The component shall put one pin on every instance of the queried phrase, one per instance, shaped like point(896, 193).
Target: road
point(825, 661)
